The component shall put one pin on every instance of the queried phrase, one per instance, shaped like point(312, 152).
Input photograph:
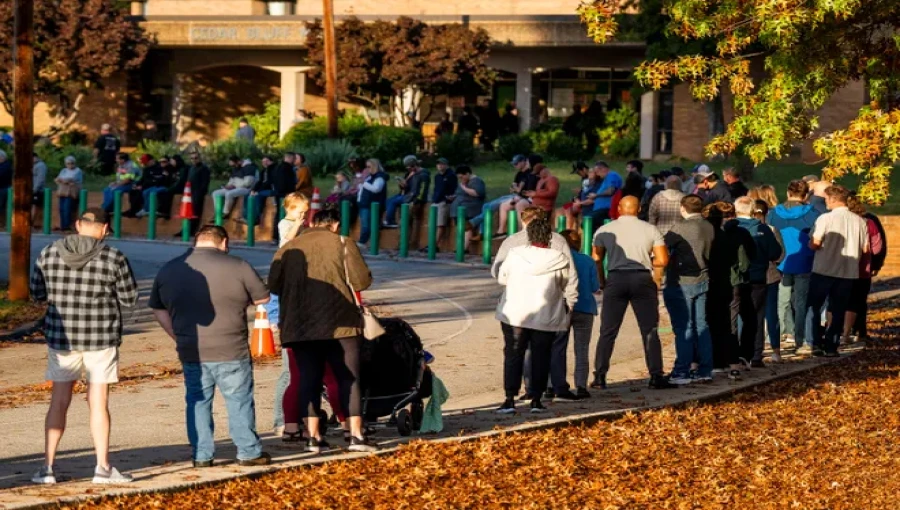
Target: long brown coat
point(315, 302)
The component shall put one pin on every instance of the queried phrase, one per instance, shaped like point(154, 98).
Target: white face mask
point(648, 185)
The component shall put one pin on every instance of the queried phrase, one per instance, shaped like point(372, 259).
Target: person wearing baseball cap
point(413, 190)
point(83, 331)
point(524, 180)
point(445, 184)
point(712, 189)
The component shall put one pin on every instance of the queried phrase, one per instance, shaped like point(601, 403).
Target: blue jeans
point(687, 311)
point(365, 224)
point(260, 199)
point(493, 205)
point(109, 194)
point(773, 327)
point(390, 212)
point(66, 208)
point(281, 385)
point(235, 380)
point(793, 307)
point(149, 191)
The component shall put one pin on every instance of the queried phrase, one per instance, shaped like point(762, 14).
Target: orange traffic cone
point(316, 205)
point(262, 343)
point(187, 204)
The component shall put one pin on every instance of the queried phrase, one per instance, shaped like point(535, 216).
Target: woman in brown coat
point(320, 320)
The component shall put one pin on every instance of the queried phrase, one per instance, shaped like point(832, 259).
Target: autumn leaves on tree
point(782, 61)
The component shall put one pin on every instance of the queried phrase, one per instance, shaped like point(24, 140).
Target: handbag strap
point(356, 299)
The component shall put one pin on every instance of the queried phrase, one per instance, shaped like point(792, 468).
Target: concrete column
point(649, 101)
point(527, 90)
point(180, 110)
point(293, 93)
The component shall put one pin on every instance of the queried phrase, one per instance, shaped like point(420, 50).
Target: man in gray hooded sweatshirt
point(85, 283)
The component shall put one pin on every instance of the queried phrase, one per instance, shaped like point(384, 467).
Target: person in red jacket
point(544, 195)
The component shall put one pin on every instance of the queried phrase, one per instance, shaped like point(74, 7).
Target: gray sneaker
point(804, 349)
point(111, 476)
point(45, 476)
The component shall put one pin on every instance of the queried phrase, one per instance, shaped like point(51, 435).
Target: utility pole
point(330, 67)
point(23, 136)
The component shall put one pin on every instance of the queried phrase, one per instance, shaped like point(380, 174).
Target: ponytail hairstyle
point(539, 230)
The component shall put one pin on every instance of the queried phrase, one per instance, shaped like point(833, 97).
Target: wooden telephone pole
point(330, 67)
point(23, 136)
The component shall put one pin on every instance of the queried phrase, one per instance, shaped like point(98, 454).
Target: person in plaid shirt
point(85, 283)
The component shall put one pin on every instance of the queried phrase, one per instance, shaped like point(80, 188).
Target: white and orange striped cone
point(187, 203)
point(262, 341)
point(315, 205)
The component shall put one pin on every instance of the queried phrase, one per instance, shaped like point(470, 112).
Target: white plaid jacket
point(83, 312)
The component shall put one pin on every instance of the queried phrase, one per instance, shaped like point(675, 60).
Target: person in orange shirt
point(304, 176)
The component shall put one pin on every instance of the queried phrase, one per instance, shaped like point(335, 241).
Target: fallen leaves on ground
point(17, 313)
point(823, 439)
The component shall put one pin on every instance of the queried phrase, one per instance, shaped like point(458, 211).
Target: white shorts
point(99, 366)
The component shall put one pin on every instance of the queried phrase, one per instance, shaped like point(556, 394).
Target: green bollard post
point(282, 212)
point(432, 231)
point(117, 214)
point(10, 209)
point(219, 203)
point(151, 218)
point(345, 218)
point(375, 226)
point(403, 249)
point(560, 224)
point(185, 230)
point(47, 220)
point(486, 241)
point(82, 202)
point(512, 222)
point(587, 228)
point(460, 234)
point(251, 220)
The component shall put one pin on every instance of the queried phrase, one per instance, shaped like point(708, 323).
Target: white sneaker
point(44, 476)
point(681, 381)
point(111, 476)
point(279, 431)
point(775, 357)
point(141, 213)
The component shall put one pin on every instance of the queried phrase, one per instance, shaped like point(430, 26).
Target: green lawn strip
point(17, 313)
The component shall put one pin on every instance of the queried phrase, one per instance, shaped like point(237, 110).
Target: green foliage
point(216, 154)
point(810, 51)
point(155, 149)
point(621, 136)
point(556, 145)
point(511, 145)
point(266, 124)
point(458, 148)
point(73, 137)
point(327, 157)
point(390, 143)
point(55, 156)
point(351, 126)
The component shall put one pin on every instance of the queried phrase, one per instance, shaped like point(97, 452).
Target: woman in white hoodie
point(532, 310)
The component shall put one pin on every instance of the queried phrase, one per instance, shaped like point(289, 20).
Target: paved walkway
point(451, 308)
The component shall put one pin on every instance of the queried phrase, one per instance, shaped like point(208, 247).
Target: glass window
point(280, 8)
point(665, 114)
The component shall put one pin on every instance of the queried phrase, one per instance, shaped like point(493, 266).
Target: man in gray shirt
point(200, 299)
point(689, 242)
point(633, 248)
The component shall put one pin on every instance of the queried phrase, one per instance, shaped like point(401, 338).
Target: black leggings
point(343, 357)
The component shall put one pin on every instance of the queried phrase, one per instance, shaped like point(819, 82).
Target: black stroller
point(394, 376)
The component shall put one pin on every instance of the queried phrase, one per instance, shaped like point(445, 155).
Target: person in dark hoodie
point(713, 189)
point(262, 190)
point(794, 219)
point(752, 294)
point(729, 267)
point(198, 175)
point(83, 331)
point(178, 177)
point(284, 180)
point(154, 179)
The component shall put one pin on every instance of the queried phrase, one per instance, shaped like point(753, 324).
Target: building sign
point(247, 34)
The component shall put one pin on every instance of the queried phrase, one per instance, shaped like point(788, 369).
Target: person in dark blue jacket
point(445, 184)
point(794, 219)
point(372, 190)
point(768, 249)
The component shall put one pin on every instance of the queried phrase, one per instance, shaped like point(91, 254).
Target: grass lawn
point(498, 175)
point(14, 314)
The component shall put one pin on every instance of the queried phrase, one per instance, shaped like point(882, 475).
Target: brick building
point(216, 60)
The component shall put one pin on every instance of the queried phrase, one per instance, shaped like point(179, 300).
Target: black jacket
point(737, 189)
point(283, 178)
point(198, 176)
point(719, 193)
point(729, 260)
point(265, 179)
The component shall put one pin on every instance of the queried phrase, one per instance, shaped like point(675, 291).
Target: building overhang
point(290, 31)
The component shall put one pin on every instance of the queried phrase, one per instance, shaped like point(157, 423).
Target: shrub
point(73, 137)
point(55, 157)
point(621, 136)
point(216, 154)
point(510, 145)
point(326, 157)
point(155, 149)
point(266, 124)
point(351, 126)
point(459, 148)
point(556, 145)
point(390, 143)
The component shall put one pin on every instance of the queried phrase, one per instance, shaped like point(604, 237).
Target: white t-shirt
point(284, 226)
point(843, 235)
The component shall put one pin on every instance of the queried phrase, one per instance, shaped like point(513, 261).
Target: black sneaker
point(566, 396)
point(548, 395)
point(508, 407)
point(757, 363)
point(734, 375)
point(582, 393)
point(263, 460)
point(599, 382)
point(203, 463)
point(660, 382)
point(832, 354)
point(537, 407)
point(362, 445)
point(819, 353)
point(317, 445)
